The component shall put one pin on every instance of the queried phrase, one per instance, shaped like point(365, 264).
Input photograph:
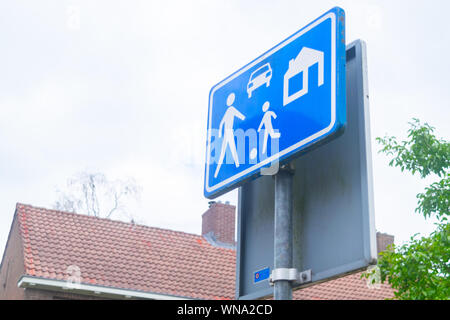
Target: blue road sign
point(281, 104)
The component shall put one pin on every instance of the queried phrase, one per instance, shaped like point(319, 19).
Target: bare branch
point(93, 194)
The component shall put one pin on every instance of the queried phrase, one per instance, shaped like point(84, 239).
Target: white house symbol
point(306, 58)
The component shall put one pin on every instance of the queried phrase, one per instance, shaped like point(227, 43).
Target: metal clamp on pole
point(290, 274)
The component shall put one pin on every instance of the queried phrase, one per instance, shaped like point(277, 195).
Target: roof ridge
point(105, 219)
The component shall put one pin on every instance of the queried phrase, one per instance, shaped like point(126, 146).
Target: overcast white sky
point(122, 87)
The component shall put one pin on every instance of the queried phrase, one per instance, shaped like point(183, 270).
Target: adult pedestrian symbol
point(279, 106)
point(226, 126)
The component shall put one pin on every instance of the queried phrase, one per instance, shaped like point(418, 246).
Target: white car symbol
point(260, 76)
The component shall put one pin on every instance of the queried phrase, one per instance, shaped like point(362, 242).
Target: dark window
point(260, 71)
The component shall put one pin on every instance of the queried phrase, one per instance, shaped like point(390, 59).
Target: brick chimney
point(218, 223)
point(383, 240)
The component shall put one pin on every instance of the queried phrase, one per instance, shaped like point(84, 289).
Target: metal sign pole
point(283, 233)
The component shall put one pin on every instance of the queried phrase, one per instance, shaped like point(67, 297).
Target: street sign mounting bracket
point(290, 274)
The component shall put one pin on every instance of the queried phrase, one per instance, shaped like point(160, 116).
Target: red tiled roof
point(122, 255)
point(350, 287)
point(127, 256)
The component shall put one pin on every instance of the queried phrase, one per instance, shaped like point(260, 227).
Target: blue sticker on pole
point(261, 275)
point(283, 103)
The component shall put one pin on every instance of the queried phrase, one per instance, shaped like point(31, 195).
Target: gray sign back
point(333, 216)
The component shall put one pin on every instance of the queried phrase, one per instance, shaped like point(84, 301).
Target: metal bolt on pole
point(283, 230)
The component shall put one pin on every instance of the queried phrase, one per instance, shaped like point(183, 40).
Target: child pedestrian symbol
point(267, 123)
point(227, 124)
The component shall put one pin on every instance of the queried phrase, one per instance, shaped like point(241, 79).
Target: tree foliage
point(93, 194)
point(422, 152)
point(420, 269)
